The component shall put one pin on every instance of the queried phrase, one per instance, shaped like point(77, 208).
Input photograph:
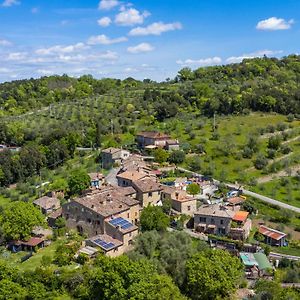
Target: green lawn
point(33, 262)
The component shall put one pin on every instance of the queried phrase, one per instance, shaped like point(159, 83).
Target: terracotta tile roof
point(235, 200)
point(147, 185)
point(181, 196)
point(132, 175)
point(56, 214)
point(153, 134)
point(95, 176)
point(126, 191)
point(32, 242)
point(272, 233)
point(215, 210)
point(168, 189)
point(240, 216)
point(106, 201)
point(47, 202)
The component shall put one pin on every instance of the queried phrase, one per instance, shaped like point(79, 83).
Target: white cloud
point(274, 23)
point(259, 53)
point(140, 48)
point(15, 56)
point(201, 62)
point(61, 49)
point(109, 55)
point(104, 22)
point(8, 3)
point(155, 28)
point(131, 16)
point(108, 4)
point(104, 40)
point(5, 43)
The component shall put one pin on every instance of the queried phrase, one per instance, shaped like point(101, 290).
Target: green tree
point(157, 287)
point(64, 253)
point(78, 181)
point(177, 157)
point(18, 219)
point(213, 274)
point(193, 189)
point(161, 155)
point(274, 142)
point(11, 291)
point(260, 162)
point(59, 184)
point(153, 218)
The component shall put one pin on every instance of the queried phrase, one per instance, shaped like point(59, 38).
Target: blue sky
point(142, 39)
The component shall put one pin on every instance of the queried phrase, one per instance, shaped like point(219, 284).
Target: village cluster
point(108, 212)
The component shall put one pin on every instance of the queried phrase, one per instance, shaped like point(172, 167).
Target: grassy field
point(286, 189)
point(233, 134)
point(35, 261)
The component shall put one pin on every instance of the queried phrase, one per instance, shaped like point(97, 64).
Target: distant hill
point(259, 84)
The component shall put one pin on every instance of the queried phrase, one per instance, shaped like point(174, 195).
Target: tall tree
point(18, 219)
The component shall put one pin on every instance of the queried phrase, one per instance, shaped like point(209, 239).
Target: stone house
point(128, 177)
point(47, 204)
point(213, 219)
point(148, 191)
point(89, 213)
point(111, 156)
point(240, 226)
point(172, 145)
point(181, 201)
point(152, 138)
point(97, 179)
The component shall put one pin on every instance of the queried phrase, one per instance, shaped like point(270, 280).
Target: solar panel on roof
point(128, 225)
point(98, 241)
point(104, 244)
point(124, 224)
point(115, 221)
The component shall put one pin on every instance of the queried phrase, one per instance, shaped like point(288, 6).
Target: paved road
point(252, 194)
point(289, 285)
point(266, 199)
point(280, 256)
point(111, 177)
